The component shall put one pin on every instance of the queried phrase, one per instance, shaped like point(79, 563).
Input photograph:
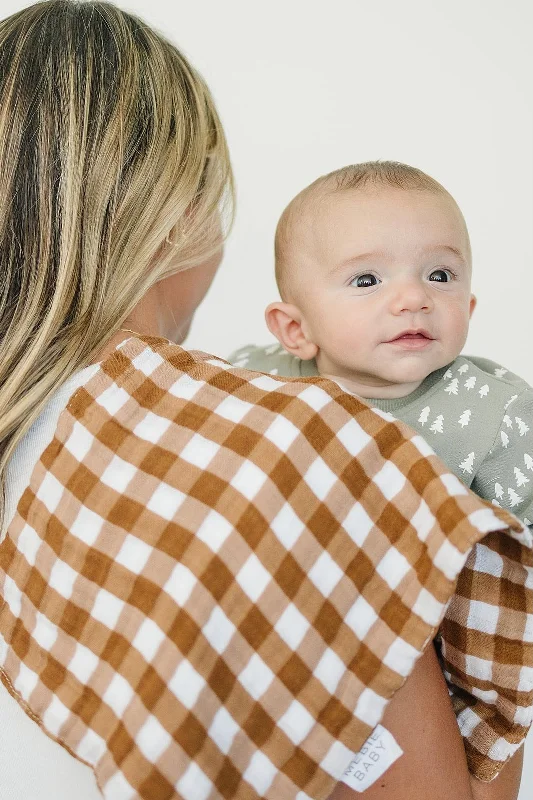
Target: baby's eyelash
point(361, 274)
point(454, 275)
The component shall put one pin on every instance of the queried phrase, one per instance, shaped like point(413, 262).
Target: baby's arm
point(506, 476)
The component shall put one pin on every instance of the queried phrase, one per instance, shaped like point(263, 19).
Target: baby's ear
point(284, 320)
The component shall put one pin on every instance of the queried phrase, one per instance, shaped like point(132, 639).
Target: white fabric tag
point(377, 754)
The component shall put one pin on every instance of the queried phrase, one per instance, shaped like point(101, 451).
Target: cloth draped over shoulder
point(216, 581)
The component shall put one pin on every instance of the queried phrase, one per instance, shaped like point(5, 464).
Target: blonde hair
point(355, 176)
point(109, 140)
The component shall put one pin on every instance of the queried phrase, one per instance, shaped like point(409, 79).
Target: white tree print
point(424, 414)
point(464, 419)
point(522, 427)
point(483, 392)
point(453, 386)
point(436, 425)
point(500, 372)
point(520, 477)
point(447, 374)
point(470, 382)
point(528, 461)
point(495, 503)
point(498, 490)
point(504, 438)
point(514, 498)
point(511, 400)
point(527, 521)
point(468, 464)
point(508, 421)
point(462, 369)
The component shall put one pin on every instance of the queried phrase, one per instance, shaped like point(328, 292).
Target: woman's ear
point(284, 320)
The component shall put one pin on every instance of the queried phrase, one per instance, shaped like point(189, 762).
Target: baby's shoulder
point(503, 397)
point(499, 380)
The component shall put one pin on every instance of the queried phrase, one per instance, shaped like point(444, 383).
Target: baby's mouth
point(412, 339)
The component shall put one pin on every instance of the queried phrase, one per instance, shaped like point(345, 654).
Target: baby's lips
point(412, 333)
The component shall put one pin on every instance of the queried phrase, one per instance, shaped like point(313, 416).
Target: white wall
point(305, 86)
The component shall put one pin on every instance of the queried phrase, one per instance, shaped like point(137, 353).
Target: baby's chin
point(412, 371)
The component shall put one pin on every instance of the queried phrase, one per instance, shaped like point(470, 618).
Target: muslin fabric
point(217, 579)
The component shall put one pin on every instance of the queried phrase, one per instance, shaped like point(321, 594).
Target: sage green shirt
point(476, 415)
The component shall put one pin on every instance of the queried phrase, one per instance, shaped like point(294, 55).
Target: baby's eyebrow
point(447, 247)
point(383, 255)
point(353, 260)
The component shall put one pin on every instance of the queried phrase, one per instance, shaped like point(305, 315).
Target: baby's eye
point(365, 281)
point(441, 276)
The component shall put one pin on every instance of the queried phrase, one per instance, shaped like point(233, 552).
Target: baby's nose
point(410, 296)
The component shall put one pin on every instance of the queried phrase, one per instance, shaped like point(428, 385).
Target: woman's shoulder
point(151, 379)
point(159, 358)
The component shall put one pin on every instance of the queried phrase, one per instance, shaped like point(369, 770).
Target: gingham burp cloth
point(216, 579)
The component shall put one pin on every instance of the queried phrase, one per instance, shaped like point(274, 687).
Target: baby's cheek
point(456, 325)
point(350, 341)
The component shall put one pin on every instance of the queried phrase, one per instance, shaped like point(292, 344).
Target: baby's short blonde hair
point(355, 176)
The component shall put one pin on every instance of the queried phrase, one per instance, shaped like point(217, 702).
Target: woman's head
point(110, 144)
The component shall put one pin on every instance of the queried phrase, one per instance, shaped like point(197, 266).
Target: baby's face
point(385, 291)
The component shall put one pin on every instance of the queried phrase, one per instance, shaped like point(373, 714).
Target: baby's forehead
point(326, 224)
point(309, 214)
point(323, 215)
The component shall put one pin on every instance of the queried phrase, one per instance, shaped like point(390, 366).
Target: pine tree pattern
point(522, 427)
point(511, 400)
point(464, 419)
point(436, 425)
point(470, 382)
point(462, 369)
point(468, 464)
point(424, 414)
point(453, 387)
point(520, 477)
point(500, 372)
point(504, 438)
point(498, 490)
point(483, 392)
point(507, 421)
point(447, 374)
point(528, 461)
point(514, 498)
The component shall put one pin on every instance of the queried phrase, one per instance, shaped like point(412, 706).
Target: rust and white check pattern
point(217, 579)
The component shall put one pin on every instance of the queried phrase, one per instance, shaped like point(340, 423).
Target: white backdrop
point(306, 86)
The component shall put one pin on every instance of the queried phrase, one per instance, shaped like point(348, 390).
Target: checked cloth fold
point(217, 579)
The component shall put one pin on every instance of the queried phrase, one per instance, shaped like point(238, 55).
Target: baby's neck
point(369, 390)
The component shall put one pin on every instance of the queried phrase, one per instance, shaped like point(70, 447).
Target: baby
point(373, 265)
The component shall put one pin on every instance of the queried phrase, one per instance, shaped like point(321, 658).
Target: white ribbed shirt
point(33, 766)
